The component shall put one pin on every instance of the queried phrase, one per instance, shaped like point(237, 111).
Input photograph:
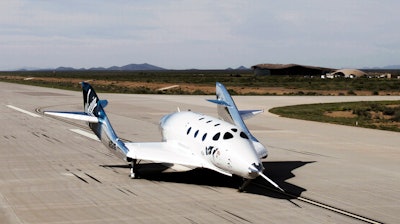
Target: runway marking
point(68, 174)
point(23, 111)
point(322, 205)
point(168, 87)
point(340, 211)
point(86, 134)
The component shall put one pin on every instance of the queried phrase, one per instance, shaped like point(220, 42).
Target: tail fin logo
point(92, 105)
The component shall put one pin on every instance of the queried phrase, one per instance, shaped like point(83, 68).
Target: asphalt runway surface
point(52, 172)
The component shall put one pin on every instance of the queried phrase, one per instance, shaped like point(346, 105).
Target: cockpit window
point(216, 136)
point(195, 134)
point(217, 125)
point(228, 135)
point(188, 131)
point(201, 118)
point(243, 135)
point(234, 129)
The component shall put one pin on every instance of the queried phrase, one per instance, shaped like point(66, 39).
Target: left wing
point(165, 152)
point(168, 152)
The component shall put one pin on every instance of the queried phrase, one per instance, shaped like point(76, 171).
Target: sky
point(206, 34)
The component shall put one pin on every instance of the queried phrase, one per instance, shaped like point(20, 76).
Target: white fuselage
point(217, 142)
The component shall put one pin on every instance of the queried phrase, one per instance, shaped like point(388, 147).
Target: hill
point(129, 67)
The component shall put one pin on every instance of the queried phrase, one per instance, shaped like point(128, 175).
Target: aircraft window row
point(209, 121)
point(196, 133)
point(229, 135)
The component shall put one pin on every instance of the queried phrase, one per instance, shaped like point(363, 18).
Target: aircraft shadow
point(279, 172)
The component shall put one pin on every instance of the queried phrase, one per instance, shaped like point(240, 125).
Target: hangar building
point(290, 70)
point(348, 73)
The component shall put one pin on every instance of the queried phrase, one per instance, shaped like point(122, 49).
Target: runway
point(51, 173)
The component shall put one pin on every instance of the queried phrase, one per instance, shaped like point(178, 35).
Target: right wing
point(168, 152)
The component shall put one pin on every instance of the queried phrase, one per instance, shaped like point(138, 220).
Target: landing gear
point(133, 174)
point(244, 185)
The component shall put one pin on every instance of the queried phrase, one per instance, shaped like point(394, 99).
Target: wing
point(168, 152)
point(162, 152)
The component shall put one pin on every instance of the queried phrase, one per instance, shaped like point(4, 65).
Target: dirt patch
point(344, 114)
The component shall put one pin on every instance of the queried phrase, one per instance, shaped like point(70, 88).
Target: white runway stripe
point(86, 134)
point(23, 111)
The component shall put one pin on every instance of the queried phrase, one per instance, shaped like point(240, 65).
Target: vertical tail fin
point(93, 106)
point(228, 111)
point(91, 102)
point(97, 120)
point(90, 99)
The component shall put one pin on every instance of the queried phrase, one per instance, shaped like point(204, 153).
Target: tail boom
point(97, 120)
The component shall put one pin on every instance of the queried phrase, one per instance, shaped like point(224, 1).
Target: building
point(347, 73)
point(290, 70)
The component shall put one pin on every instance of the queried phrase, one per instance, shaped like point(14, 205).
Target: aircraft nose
point(255, 170)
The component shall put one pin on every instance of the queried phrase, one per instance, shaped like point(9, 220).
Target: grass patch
point(384, 115)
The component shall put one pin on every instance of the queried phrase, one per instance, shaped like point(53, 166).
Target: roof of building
point(350, 72)
point(285, 66)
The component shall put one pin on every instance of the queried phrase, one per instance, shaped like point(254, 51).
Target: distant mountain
point(65, 69)
point(241, 68)
point(144, 66)
point(238, 68)
point(130, 67)
point(392, 67)
point(28, 69)
point(384, 67)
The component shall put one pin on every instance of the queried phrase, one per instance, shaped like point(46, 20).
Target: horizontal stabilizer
point(103, 103)
point(219, 102)
point(82, 116)
point(246, 114)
